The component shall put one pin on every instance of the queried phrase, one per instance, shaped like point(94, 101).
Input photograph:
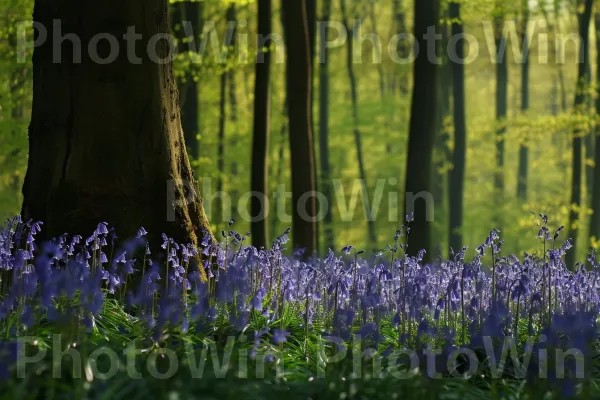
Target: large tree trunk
point(262, 126)
point(326, 183)
point(372, 237)
point(298, 84)
point(457, 174)
point(501, 113)
point(105, 140)
point(580, 97)
point(523, 150)
point(422, 127)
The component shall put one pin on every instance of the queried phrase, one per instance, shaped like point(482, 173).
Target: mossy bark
point(105, 139)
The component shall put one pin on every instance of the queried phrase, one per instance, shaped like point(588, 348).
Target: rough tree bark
point(457, 174)
point(105, 140)
point(298, 86)
point(422, 128)
point(261, 128)
point(580, 97)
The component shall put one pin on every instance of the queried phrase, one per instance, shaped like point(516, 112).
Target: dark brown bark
point(422, 128)
point(372, 237)
point(105, 140)
point(579, 105)
point(326, 183)
point(261, 128)
point(298, 87)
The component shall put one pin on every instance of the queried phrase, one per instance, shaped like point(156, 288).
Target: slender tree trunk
point(595, 220)
point(377, 50)
point(580, 96)
point(589, 140)
point(501, 112)
point(311, 15)
point(457, 174)
point(225, 74)
point(523, 150)
point(262, 126)
point(233, 102)
point(399, 15)
point(443, 153)
point(372, 237)
point(326, 183)
point(105, 140)
point(191, 13)
point(221, 147)
point(298, 83)
point(283, 139)
point(422, 128)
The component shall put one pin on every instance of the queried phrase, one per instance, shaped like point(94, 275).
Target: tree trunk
point(105, 140)
point(283, 139)
point(595, 220)
point(326, 183)
point(261, 129)
point(501, 113)
point(311, 15)
point(589, 139)
point(457, 174)
point(422, 127)
point(221, 148)
point(298, 88)
point(372, 237)
point(580, 97)
point(442, 151)
point(399, 15)
point(191, 12)
point(523, 150)
point(377, 50)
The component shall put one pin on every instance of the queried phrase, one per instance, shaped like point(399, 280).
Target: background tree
point(501, 106)
point(523, 151)
point(326, 184)
point(351, 30)
point(422, 126)
point(262, 119)
point(584, 18)
point(457, 173)
point(298, 84)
